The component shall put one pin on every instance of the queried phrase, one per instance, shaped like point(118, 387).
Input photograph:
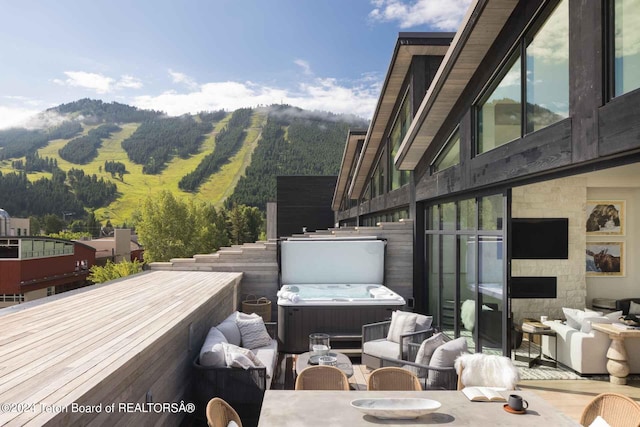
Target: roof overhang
point(408, 45)
point(479, 30)
point(348, 157)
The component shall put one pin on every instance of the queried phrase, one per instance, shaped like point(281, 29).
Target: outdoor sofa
point(241, 385)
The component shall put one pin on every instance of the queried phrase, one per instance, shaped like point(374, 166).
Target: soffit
point(406, 48)
point(477, 33)
point(347, 161)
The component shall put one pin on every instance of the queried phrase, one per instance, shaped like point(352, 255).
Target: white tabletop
point(284, 408)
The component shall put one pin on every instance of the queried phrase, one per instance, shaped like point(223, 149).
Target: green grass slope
point(136, 186)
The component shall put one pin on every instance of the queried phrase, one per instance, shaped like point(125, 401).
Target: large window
point(537, 70)
point(547, 71)
point(450, 154)
point(626, 46)
point(398, 178)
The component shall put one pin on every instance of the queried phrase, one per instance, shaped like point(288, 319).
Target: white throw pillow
point(238, 357)
point(634, 308)
point(427, 348)
point(614, 316)
point(402, 322)
point(212, 352)
point(232, 424)
point(571, 314)
point(254, 333)
point(587, 322)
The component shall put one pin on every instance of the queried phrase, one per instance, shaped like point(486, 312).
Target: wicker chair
point(616, 409)
point(220, 413)
point(322, 377)
point(393, 378)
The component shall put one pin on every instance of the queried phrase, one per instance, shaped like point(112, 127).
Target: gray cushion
point(230, 329)
point(382, 348)
point(268, 355)
point(423, 322)
point(402, 322)
point(444, 357)
point(634, 308)
point(254, 333)
point(212, 352)
point(427, 348)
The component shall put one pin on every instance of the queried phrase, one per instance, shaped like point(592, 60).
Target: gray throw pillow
point(230, 329)
point(254, 333)
point(423, 322)
point(444, 357)
point(402, 322)
point(212, 352)
point(427, 348)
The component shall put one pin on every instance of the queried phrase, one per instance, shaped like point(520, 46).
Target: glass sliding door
point(466, 270)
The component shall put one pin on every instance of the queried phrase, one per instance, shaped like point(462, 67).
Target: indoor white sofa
point(585, 352)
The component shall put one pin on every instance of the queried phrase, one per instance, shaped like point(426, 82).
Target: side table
point(538, 359)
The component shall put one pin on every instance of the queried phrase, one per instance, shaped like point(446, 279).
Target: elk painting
point(604, 259)
point(605, 217)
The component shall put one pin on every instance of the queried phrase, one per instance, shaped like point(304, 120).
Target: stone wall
point(560, 198)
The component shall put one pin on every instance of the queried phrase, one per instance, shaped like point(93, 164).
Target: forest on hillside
point(157, 141)
point(314, 145)
point(84, 149)
point(18, 142)
point(228, 142)
point(92, 111)
point(293, 142)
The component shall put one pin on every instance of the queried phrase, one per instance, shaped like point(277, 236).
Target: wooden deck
point(130, 341)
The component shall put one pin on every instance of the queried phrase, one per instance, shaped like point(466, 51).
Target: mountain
point(92, 156)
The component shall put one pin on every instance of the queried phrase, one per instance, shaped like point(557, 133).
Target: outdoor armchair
point(376, 345)
point(431, 377)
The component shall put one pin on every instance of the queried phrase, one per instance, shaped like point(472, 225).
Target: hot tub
point(332, 286)
point(337, 294)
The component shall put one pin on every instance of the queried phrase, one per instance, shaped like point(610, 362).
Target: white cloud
point(437, 14)
point(182, 78)
point(15, 116)
point(358, 98)
point(306, 68)
point(98, 83)
point(129, 82)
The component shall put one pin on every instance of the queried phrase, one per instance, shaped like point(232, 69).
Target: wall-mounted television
point(540, 238)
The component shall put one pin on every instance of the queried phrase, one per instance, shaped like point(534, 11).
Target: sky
point(187, 56)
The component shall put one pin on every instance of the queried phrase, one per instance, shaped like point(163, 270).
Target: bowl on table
point(396, 408)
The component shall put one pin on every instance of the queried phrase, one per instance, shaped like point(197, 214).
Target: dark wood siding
point(304, 201)
point(619, 124)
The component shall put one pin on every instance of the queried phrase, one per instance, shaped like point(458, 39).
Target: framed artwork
point(605, 217)
point(605, 258)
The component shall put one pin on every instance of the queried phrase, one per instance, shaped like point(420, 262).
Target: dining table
point(310, 408)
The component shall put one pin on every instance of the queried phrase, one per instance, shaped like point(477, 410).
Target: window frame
point(517, 51)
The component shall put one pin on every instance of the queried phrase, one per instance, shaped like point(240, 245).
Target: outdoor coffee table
point(343, 363)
